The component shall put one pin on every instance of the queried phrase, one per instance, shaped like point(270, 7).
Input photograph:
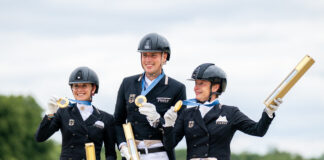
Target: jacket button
point(207, 144)
point(194, 145)
point(136, 109)
point(194, 155)
point(136, 122)
point(207, 135)
point(206, 154)
point(87, 136)
point(73, 134)
point(194, 136)
point(150, 136)
point(72, 146)
point(136, 135)
point(70, 158)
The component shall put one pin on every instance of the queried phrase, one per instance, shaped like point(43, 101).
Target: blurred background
point(256, 42)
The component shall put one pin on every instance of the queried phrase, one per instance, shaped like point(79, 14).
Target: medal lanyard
point(194, 102)
point(153, 84)
point(80, 102)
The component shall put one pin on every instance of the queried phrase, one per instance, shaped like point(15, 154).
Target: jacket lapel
point(138, 86)
point(199, 120)
point(95, 116)
point(161, 83)
point(212, 114)
point(75, 114)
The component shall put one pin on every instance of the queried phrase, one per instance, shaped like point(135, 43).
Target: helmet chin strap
point(162, 62)
point(211, 92)
point(92, 93)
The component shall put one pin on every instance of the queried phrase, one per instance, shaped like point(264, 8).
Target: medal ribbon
point(80, 102)
point(194, 102)
point(153, 84)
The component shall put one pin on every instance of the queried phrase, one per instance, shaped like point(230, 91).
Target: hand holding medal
point(171, 115)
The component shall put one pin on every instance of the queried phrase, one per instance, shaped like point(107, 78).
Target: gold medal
point(62, 102)
point(140, 100)
point(178, 106)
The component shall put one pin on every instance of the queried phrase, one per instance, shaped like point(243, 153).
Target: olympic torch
point(129, 135)
point(290, 80)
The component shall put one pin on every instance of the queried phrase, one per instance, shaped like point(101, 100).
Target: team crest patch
point(131, 98)
point(221, 120)
point(191, 124)
point(163, 99)
point(71, 122)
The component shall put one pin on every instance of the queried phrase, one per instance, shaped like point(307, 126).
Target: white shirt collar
point(85, 110)
point(205, 109)
point(148, 82)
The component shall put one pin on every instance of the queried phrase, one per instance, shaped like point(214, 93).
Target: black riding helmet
point(154, 42)
point(212, 73)
point(84, 75)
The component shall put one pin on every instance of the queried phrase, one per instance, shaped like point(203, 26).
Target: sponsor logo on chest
point(163, 99)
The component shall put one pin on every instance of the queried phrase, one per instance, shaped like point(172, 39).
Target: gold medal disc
point(140, 100)
point(178, 106)
point(63, 102)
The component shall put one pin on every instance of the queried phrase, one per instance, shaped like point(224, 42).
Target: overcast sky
point(256, 42)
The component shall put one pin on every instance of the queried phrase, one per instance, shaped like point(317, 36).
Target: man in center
point(161, 92)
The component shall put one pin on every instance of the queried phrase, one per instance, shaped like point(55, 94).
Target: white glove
point(149, 110)
point(170, 117)
point(52, 105)
point(124, 152)
point(272, 108)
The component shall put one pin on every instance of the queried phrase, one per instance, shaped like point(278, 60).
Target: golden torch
point(290, 80)
point(90, 151)
point(129, 135)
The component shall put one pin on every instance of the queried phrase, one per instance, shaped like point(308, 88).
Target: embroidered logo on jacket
point(131, 98)
point(71, 122)
point(163, 99)
point(221, 120)
point(191, 124)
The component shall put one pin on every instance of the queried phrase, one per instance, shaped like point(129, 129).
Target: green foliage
point(273, 154)
point(181, 154)
point(245, 156)
point(102, 153)
point(19, 120)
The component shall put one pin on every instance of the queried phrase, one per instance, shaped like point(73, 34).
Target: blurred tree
point(245, 156)
point(273, 154)
point(19, 120)
point(322, 157)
